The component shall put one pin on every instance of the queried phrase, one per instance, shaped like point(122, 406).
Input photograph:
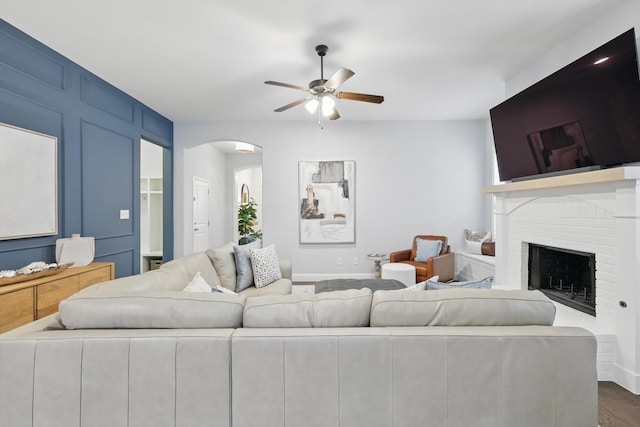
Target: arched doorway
point(217, 162)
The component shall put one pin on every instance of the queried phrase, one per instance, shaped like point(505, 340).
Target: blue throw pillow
point(426, 249)
point(478, 284)
point(243, 264)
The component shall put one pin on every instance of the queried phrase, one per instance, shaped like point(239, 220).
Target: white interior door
point(200, 215)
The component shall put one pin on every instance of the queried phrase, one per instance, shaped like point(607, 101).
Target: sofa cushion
point(279, 287)
point(265, 266)
point(331, 309)
point(243, 264)
point(163, 279)
point(190, 264)
point(462, 307)
point(223, 261)
point(152, 309)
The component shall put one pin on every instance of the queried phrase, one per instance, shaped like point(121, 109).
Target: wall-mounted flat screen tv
point(586, 115)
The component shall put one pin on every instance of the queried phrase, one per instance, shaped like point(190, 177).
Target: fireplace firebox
point(564, 275)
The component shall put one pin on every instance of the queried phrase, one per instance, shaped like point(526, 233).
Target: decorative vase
point(78, 250)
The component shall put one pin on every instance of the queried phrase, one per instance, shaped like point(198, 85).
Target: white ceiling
point(207, 60)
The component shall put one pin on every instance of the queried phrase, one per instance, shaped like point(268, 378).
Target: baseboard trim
point(626, 379)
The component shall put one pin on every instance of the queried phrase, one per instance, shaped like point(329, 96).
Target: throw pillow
point(421, 286)
point(473, 247)
point(480, 284)
point(489, 248)
point(473, 241)
point(222, 260)
point(417, 287)
point(477, 236)
point(243, 264)
point(426, 249)
point(197, 284)
point(266, 268)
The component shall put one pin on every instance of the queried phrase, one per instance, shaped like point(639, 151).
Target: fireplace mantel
point(582, 178)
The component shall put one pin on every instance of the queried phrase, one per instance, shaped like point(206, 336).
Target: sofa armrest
point(443, 266)
point(400, 255)
point(285, 269)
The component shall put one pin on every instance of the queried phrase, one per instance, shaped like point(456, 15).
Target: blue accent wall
point(99, 128)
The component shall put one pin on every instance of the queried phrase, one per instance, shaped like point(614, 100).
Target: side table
point(377, 259)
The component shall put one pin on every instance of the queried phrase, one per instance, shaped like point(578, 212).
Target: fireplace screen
point(564, 275)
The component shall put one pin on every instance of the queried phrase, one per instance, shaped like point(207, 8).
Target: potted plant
point(247, 216)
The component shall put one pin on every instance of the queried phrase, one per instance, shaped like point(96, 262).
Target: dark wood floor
point(617, 407)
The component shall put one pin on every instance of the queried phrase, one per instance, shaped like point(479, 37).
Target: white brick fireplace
point(596, 212)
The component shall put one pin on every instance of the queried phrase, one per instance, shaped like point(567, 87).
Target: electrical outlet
point(355, 261)
point(339, 261)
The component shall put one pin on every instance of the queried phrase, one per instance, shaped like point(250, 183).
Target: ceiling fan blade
point(291, 105)
point(334, 114)
point(340, 76)
point(376, 99)
point(269, 82)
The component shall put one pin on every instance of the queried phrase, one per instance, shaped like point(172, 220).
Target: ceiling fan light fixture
point(244, 148)
point(328, 104)
point(311, 105)
point(322, 93)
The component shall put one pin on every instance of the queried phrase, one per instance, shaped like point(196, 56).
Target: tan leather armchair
point(441, 265)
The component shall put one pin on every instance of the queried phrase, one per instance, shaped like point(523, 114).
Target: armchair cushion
point(414, 247)
point(426, 249)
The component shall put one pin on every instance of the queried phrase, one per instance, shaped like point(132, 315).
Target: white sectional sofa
point(347, 358)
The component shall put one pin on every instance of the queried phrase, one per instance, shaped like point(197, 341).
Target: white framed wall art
point(326, 193)
point(28, 183)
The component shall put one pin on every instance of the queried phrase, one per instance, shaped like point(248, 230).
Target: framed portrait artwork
point(326, 193)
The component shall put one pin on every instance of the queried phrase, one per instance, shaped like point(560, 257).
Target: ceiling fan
point(321, 92)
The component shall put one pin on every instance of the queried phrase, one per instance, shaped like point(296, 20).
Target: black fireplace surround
point(564, 275)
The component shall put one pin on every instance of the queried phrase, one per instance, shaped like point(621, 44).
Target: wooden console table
point(25, 302)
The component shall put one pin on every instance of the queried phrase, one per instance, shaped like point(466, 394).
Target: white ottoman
point(403, 272)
